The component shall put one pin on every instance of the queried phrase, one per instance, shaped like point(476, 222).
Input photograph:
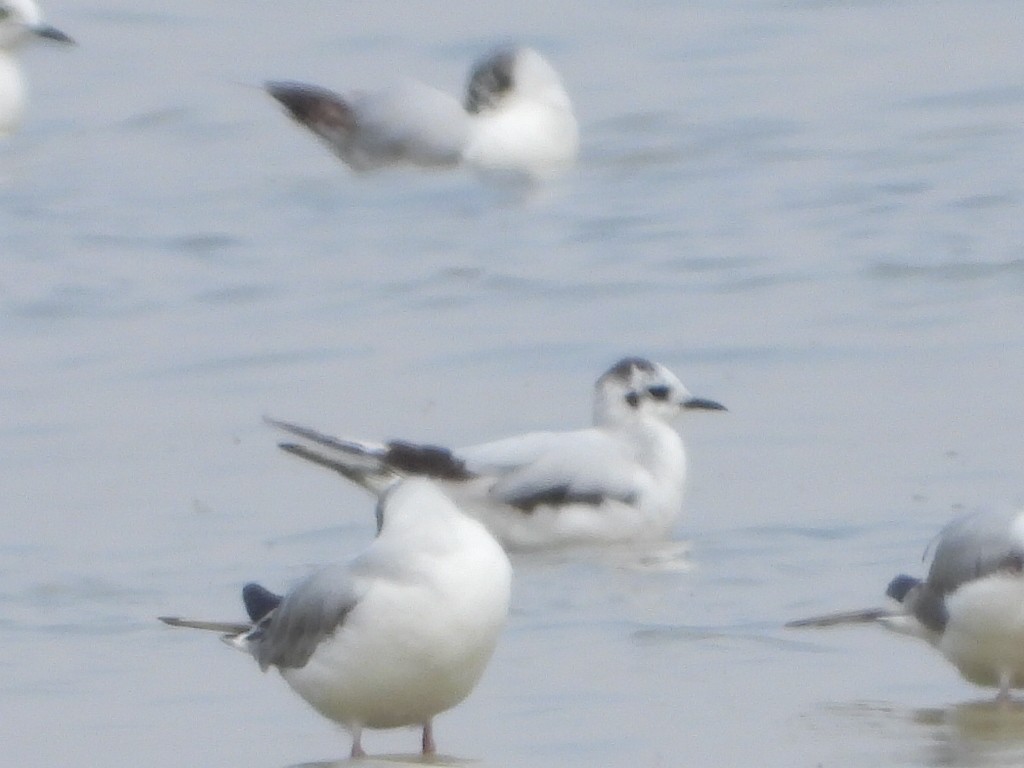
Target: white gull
point(621, 480)
point(971, 604)
point(397, 636)
point(516, 121)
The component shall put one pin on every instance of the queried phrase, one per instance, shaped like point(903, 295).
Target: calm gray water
point(810, 210)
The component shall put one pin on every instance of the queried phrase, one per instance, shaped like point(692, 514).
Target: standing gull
point(620, 480)
point(397, 636)
point(20, 22)
point(971, 604)
point(516, 120)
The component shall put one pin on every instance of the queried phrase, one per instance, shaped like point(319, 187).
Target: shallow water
point(809, 210)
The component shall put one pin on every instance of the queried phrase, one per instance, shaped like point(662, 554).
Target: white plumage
point(621, 480)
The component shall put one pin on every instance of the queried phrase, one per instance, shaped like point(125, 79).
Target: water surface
point(809, 210)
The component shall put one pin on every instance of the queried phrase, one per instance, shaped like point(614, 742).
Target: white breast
point(415, 644)
point(984, 637)
point(524, 136)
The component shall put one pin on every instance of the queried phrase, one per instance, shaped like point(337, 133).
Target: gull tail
point(862, 616)
point(365, 464)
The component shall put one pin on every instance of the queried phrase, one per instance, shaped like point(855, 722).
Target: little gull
point(516, 121)
point(397, 636)
point(620, 480)
point(971, 604)
point(20, 22)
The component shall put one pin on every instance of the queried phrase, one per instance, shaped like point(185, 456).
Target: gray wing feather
point(863, 616)
point(226, 627)
point(325, 113)
point(363, 463)
point(556, 469)
point(974, 546)
point(347, 447)
point(307, 616)
point(358, 475)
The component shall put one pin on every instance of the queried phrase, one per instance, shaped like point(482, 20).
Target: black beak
point(47, 32)
point(703, 404)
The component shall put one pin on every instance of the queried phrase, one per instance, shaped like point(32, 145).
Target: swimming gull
point(620, 480)
point(397, 636)
point(971, 604)
point(21, 21)
point(516, 121)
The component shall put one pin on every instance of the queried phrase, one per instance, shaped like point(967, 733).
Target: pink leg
point(357, 745)
point(429, 747)
point(1003, 697)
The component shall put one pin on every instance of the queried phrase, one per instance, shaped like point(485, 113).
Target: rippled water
point(810, 210)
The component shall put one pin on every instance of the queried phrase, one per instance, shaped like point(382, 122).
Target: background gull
point(970, 606)
point(516, 120)
point(617, 481)
point(21, 21)
point(399, 635)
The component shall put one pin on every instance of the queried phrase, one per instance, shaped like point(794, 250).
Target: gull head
point(636, 388)
point(514, 72)
point(21, 21)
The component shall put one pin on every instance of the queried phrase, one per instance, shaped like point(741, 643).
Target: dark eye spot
point(659, 392)
point(633, 399)
point(489, 81)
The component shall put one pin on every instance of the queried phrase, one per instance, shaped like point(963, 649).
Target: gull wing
point(365, 464)
point(977, 545)
point(306, 616)
point(556, 468)
point(409, 123)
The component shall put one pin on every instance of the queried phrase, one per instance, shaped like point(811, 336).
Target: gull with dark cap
point(970, 606)
point(516, 120)
point(397, 636)
point(621, 480)
point(21, 22)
